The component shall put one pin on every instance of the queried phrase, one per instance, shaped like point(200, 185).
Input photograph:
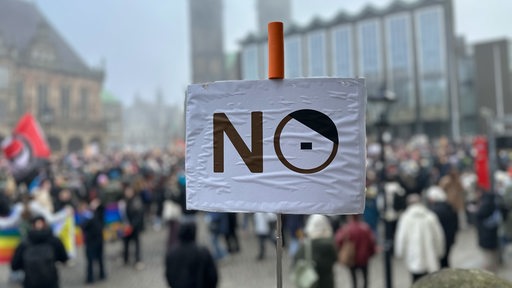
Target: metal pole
point(279, 251)
point(276, 71)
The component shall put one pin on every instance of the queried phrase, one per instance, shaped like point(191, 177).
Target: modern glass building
point(407, 48)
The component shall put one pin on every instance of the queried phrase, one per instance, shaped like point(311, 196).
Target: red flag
point(26, 149)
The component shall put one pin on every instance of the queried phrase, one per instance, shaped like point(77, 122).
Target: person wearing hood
point(37, 256)
point(323, 252)
point(419, 239)
point(189, 265)
point(447, 217)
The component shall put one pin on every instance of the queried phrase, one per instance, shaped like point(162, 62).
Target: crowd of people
point(426, 192)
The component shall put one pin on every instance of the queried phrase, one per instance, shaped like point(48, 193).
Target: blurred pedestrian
point(231, 236)
point(452, 186)
point(217, 226)
point(89, 218)
point(37, 255)
point(64, 198)
point(132, 214)
point(323, 252)
point(447, 217)
point(360, 236)
point(189, 265)
point(487, 219)
point(264, 231)
point(295, 227)
point(419, 239)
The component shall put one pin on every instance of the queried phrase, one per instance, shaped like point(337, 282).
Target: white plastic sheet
point(307, 154)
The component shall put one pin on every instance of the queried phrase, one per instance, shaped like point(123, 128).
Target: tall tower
point(206, 40)
point(273, 10)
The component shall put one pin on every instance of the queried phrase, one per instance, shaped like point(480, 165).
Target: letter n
point(253, 158)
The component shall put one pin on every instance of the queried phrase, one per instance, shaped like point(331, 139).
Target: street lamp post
point(382, 125)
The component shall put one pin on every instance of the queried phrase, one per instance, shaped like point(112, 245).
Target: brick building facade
point(41, 74)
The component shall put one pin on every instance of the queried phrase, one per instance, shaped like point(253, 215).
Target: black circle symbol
point(317, 121)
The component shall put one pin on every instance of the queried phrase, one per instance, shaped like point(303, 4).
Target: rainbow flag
point(9, 240)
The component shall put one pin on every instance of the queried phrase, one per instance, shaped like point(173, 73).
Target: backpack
point(39, 265)
point(347, 253)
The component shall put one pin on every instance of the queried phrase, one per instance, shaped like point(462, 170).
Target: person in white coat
point(263, 227)
point(419, 239)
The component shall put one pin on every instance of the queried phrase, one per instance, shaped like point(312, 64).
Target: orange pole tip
point(275, 50)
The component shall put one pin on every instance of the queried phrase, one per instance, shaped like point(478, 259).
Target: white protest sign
point(286, 146)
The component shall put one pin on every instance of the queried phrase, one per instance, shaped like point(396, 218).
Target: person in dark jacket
point(361, 235)
point(91, 221)
point(447, 217)
point(323, 252)
point(132, 211)
point(37, 255)
point(231, 237)
point(189, 265)
point(487, 231)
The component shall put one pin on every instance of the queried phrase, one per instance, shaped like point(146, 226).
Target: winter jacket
point(262, 223)
point(487, 236)
point(419, 239)
point(324, 256)
point(454, 191)
point(218, 223)
point(361, 235)
point(37, 237)
point(92, 227)
point(190, 265)
point(132, 211)
point(449, 221)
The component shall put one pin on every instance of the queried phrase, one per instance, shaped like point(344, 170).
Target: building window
point(398, 40)
point(399, 55)
point(430, 40)
point(434, 92)
point(369, 47)
point(316, 48)
point(293, 59)
point(42, 99)
point(250, 62)
point(342, 51)
point(84, 103)
point(20, 96)
point(65, 97)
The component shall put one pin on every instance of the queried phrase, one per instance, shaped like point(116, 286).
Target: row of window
point(360, 49)
point(43, 103)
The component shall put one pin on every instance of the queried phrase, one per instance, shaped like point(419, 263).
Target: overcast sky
point(145, 44)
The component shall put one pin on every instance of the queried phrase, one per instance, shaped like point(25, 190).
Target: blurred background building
point(493, 77)
point(151, 124)
point(206, 40)
point(407, 48)
point(40, 73)
point(113, 113)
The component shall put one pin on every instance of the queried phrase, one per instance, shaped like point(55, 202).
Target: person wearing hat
point(447, 217)
point(37, 255)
